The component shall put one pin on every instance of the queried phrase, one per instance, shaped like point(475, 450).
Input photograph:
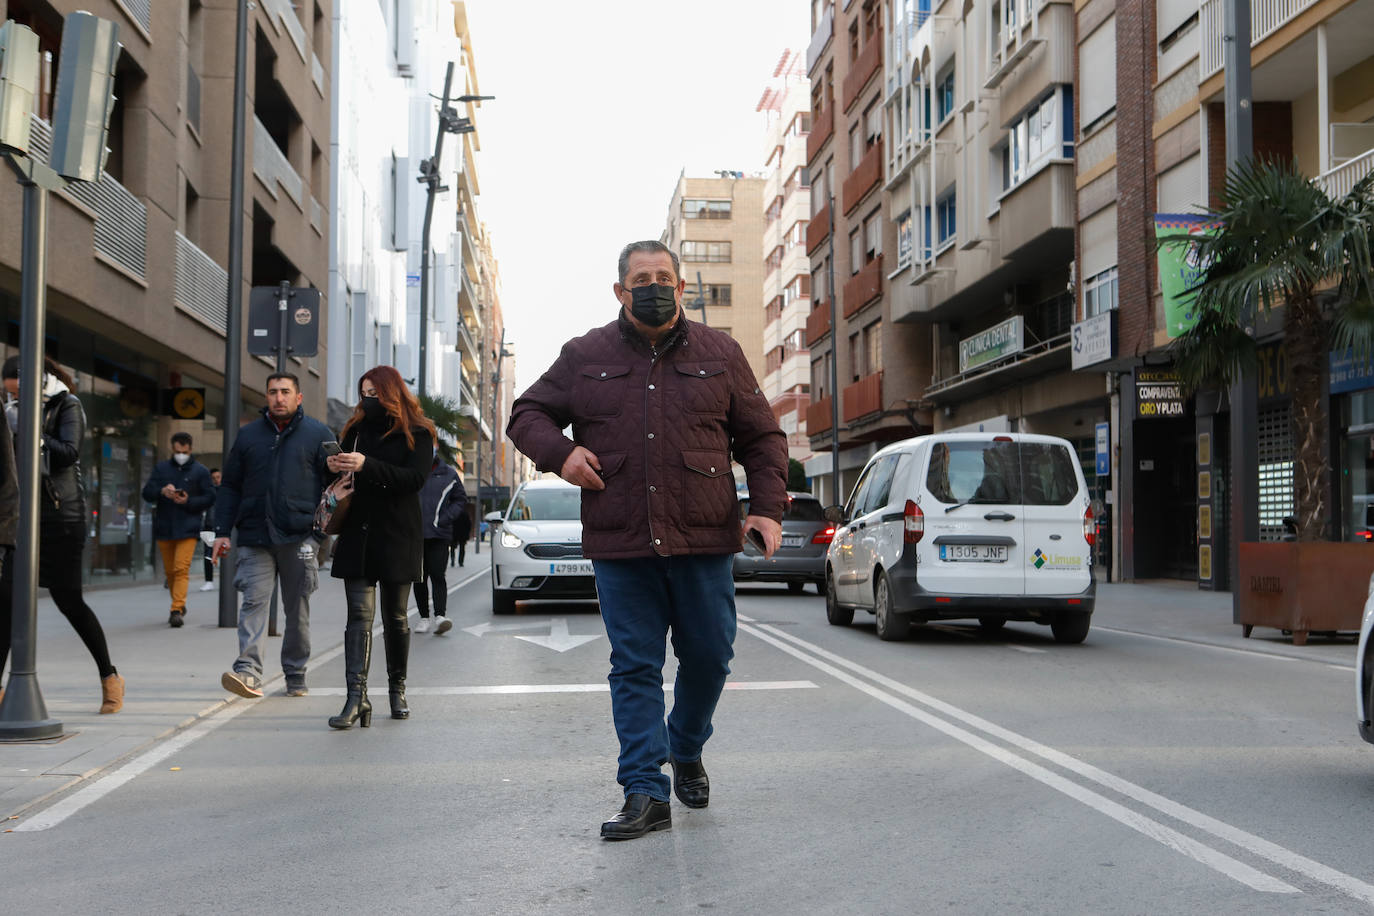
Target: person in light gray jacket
point(442, 501)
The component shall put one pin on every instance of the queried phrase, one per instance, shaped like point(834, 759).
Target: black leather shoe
point(690, 784)
point(641, 815)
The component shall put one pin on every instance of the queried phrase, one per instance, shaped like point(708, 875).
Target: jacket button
point(651, 435)
point(651, 387)
point(603, 375)
point(701, 371)
point(653, 489)
point(713, 470)
point(657, 542)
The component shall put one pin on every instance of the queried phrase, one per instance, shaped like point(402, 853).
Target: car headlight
point(510, 541)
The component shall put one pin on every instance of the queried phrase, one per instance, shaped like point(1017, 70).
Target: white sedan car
point(537, 550)
point(1364, 674)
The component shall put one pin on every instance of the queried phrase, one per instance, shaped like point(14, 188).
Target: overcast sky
point(598, 108)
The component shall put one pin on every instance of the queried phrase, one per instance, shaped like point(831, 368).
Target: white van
point(995, 527)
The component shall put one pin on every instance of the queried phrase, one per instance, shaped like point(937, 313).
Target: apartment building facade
point(716, 227)
point(786, 380)
point(880, 363)
point(137, 297)
point(1151, 151)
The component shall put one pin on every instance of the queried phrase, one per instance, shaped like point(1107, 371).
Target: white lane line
point(1257, 845)
point(1029, 650)
point(1212, 858)
point(93, 792)
point(103, 784)
point(1346, 668)
point(1272, 656)
point(485, 690)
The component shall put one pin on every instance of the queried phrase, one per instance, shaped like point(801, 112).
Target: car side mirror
point(492, 518)
point(835, 515)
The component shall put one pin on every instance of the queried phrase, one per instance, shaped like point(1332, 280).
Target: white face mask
point(181, 457)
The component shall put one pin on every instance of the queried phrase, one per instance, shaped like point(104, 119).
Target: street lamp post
point(834, 362)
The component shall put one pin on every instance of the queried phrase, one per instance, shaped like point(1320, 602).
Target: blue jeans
point(641, 601)
point(255, 574)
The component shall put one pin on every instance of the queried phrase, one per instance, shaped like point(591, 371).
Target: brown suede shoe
point(112, 694)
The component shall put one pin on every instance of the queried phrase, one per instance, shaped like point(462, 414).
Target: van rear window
point(1002, 473)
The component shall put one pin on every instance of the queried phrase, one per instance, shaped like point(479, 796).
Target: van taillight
point(1089, 527)
point(824, 536)
point(913, 523)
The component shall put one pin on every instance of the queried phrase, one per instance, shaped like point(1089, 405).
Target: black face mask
point(654, 305)
point(372, 409)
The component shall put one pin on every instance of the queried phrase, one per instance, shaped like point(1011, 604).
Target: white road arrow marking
point(559, 639)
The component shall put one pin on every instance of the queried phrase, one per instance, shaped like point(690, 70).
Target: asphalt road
point(948, 773)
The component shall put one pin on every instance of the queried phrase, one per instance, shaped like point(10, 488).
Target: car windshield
point(546, 505)
point(1001, 472)
point(798, 510)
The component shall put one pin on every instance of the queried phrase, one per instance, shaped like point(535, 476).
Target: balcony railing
point(271, 165)
point(863, 287)
point(818, 419)
point(825, 30)
point(818, 229)
point(121, 219)
point(822, 127)
point(862, 68)
point(202, 285)
point(817, 323)
point(864, 178)
point(1338, 182)
point(1266, 18)
point(864, 397)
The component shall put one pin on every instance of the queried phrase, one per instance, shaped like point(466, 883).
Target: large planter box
point(1303, 587)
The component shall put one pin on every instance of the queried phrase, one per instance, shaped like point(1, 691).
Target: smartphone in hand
point(756, 537)
point(331, 449)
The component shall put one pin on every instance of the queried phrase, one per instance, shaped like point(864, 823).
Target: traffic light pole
point(23, 714)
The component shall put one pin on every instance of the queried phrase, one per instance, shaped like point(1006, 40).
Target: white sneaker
point(442, 625)
point(208, 587)
point(422, 626)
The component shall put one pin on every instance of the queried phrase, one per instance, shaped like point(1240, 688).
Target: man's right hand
point(219, 549)
point(581, 469)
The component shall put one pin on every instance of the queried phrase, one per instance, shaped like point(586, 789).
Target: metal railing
point(121, 219)
point(202, 285)
point(1031, 352)
point(1266, 18)
point(271, 165)
point(1338, 181)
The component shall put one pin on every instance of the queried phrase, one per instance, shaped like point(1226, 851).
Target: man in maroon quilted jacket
point(659, 406)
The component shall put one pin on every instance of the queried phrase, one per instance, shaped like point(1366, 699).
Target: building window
point(856, 146)
point(713, 293)
point(773, 261)
point(705, 209)
point(1099, 293)
point(1036, 137)
point(774, 211)
point(718, 252)
point(944, 218)
point(944, 95)
point(855, 357)
point(856, 251)
point(873, 237)
point(873, 121)
point(904, 239)
point(873, 348)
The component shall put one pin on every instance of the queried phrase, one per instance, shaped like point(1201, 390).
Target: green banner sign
point(1178, 269)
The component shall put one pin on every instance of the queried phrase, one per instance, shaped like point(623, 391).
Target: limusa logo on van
point(1040, 560)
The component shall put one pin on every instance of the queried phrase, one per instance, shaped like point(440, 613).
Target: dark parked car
point(801, 557)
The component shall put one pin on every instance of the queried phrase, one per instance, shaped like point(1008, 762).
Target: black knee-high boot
point(397, 642)
point(357, 659)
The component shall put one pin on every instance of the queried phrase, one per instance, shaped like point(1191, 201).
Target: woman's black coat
point(381, 538)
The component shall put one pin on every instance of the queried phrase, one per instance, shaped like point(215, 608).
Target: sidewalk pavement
point(173, 676)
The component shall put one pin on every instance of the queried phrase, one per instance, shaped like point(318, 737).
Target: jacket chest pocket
point(600, 391)
point(702, 386)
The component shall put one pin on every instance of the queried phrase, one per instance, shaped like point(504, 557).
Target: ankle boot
point(397, 654)
point(357, 658)
point(111, 694)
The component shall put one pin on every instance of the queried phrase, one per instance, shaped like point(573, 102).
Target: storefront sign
point(996, 342)
point(1094, 339)
point(1104, 449)
point(1179, 270)
point(1273, 382)
point(1349, 373)
point(1158, 393)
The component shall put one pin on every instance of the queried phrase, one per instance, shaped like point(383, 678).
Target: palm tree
point(447, 420)
point(1280, 240)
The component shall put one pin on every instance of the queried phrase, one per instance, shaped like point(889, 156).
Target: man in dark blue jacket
point(180, 489)
point(272, 480)
point(442, 501)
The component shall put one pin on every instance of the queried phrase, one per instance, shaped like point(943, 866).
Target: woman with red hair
point(390, 445)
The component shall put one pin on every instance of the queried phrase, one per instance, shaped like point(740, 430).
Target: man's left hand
point(180, 497)
point(769, 529)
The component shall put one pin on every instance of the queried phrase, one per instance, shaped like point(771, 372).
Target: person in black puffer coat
point(62, 525)
point(388, 445)
point(443, 501)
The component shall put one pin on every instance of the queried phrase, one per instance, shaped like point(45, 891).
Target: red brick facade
point(1135, 173)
